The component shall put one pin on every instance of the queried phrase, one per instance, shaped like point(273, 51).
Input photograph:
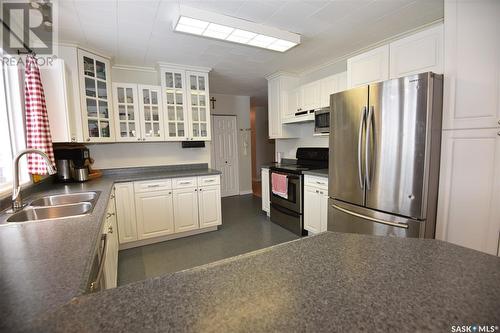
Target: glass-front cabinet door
point(126, 108)
point(174, 104)
point(95, 94)
point(150, 106)
point(199, 108)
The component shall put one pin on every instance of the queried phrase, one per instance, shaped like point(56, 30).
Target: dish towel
point(279, 185)
point(37, 120)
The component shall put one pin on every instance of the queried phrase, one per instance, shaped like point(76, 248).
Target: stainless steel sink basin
point(64, 199)
point(50, 212)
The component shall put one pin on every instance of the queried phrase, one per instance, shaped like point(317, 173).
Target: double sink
point(57, 206)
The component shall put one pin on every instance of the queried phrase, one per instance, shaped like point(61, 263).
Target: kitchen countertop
point(45, 264)
point(328, 282)
point(319, 172)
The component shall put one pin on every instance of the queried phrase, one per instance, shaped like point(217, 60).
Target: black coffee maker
point(72, 163)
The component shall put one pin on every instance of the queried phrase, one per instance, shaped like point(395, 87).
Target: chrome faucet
point(17, 201)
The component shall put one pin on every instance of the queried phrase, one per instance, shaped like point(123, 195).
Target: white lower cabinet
point(157, 210)
point(469, 189)
point(154, 214)
point(186, 209)
point(110, 268)
point(265, 190)
point(315, 204)
point(209, 205)
point(125, 212)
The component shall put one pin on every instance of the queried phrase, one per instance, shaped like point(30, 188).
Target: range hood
point(300, 117)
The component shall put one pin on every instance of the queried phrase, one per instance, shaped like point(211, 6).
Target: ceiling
point(140, 33)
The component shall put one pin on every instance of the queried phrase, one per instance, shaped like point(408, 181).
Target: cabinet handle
point(320, 183)
point(498, 133)
point(209, 180)
point(108, 215)
point(195, 189)
point(184, 183)
point(317, 191)
point(155, 185)
point(88, 139)
point(138, 139)
point(201, 189)
point(110, 230)
point(112, 196)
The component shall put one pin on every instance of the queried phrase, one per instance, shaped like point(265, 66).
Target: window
point(11, 124)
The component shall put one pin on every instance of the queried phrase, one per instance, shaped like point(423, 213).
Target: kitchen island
point(325, 283)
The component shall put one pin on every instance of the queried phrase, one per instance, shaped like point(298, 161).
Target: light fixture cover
point(207, 24)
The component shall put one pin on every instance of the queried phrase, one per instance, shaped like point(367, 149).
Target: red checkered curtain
point(37, 120)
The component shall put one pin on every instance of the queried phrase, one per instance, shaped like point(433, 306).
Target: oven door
point(294, 200)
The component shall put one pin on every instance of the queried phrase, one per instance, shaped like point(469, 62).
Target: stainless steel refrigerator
point(385, 141)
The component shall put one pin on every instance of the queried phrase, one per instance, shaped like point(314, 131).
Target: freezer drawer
point(348, 218)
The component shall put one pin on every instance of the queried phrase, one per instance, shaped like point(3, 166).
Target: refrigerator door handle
point(367, 147)
point(373, 219)
point(360, 143)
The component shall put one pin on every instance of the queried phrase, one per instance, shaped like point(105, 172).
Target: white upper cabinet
point(173, 84)
point(151, 113)
point(331, 85)
point(294, 103)
point(472, 65)
point(199, 114)
point(95, 96)
point(420, 52)
point(126, 108)
point(368, 67)
point(311, 96)
point(278, 87)
point(63, 126)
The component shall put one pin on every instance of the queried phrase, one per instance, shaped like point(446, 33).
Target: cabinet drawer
point(152, 185)
point(184, 182)
point(209, 180)
point(319, 182)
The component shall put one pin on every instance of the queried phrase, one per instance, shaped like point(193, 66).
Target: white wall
point(239, 106)
point(120, 155)
point(289, 146)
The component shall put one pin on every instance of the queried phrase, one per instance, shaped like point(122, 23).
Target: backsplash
point(288, 147)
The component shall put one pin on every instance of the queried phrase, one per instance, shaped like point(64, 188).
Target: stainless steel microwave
point(322, 121)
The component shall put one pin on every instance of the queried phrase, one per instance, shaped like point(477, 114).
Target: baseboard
point(153, 240)
point(246, 192)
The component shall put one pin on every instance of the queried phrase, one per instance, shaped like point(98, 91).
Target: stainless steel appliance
point(384, 157)
point(322, 121)
point(72, 163)
point(288, 212)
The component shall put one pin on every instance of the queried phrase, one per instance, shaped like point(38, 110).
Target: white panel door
point(469, 189)
point(418, 53)
point(265, 190)
point(368, 67)
point(126, 109)
point(125, 212)
point(151, 113)
point(154, 214)
point(209, 203)
point(225, 147)
point(472, 64)
point(185, 209)
point(312, 209)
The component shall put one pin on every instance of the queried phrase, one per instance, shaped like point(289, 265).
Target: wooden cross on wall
point(213, 100)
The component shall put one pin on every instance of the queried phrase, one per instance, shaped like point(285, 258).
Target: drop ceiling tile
point(222, 7)
point(257, 11)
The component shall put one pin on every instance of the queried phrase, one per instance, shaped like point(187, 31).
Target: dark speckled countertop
point(45, 264)
point(331, 282)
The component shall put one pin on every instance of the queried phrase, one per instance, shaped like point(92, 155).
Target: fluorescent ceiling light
point(208, 24)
